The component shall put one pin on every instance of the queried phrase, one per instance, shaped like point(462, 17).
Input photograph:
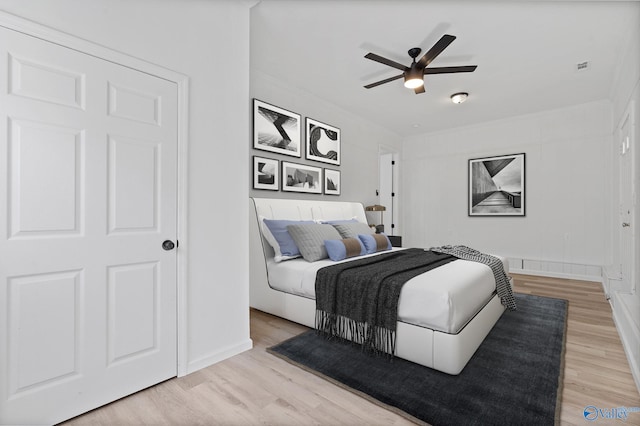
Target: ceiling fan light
point(413, 83)
point(413, 78)
point(460, 97)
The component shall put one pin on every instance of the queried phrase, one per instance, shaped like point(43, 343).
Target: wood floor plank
point(256, 388)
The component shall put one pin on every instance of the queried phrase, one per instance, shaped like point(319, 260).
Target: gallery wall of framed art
point(279, 131)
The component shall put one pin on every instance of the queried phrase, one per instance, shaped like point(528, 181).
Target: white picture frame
point(497, 186)
point(332, 184)
point(301, 178)
point(266, 173)
point(276, 129)
point(322, 142)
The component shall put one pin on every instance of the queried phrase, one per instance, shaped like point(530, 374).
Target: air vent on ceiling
point(583, 66)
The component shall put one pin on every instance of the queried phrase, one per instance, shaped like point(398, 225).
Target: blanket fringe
point(375, 340)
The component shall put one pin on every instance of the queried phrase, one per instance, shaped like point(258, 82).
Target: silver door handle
point(625, 224)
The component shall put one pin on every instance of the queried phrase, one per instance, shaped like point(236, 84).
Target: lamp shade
point(377, 208)
point(413, 77)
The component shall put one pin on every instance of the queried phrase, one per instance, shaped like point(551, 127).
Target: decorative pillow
point(276, 234)
point(375, 242)
point(342, 249)
point(352, 229)
point(310, 239)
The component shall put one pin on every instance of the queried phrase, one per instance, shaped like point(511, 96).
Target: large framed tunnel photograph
point(497, 186)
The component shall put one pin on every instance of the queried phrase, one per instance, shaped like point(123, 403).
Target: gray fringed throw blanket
point(503, 288)
point(359, 299)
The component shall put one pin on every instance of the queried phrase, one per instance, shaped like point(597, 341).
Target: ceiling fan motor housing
point(414, 53)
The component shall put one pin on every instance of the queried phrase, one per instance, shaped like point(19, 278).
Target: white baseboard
point(218, 356)
point(569, 276)
point(548, 268)
point(629, 334)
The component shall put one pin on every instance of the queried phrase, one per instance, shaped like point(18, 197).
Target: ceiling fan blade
point(385, 61)
point(419, 89)
point(437, 49)
point(386, 80)
point(445, 70)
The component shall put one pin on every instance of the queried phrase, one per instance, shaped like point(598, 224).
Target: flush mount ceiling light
point(460, 97)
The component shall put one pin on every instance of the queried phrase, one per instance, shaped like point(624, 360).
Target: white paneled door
point(88, 154)
point(627, 190)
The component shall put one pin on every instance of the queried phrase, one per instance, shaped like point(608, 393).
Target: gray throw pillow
point(310, 239)
point(352, 229)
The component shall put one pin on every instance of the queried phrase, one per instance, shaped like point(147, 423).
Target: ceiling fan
point(414, 74)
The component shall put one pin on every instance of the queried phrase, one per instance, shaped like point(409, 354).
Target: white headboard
point(277, 208)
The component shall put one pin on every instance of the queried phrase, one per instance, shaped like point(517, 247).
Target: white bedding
point(443, 299)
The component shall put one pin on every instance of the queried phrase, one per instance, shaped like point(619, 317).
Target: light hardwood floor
point(257, 388)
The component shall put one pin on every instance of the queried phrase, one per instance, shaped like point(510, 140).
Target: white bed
point(439, 326)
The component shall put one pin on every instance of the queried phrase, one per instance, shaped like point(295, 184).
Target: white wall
point(566, 195)
point(209, 42)
point(361, 140)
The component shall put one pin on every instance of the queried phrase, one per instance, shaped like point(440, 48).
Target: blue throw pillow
point(342, 249)
point(375, 242)
point(280, 239)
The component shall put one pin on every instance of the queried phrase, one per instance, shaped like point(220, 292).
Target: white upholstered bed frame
point(441, 351)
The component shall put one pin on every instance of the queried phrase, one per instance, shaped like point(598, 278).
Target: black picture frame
point(301, 178)
point(332, 184)
point(497, 186)
point(266, 173)
point(322, 142)
point(276, 129)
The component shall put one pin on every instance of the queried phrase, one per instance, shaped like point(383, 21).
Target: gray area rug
point(514, 378)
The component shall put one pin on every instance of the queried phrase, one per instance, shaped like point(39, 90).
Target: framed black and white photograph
point(266, 173)
point(301, 178)
point(275, 129)
point(323, 142)
point(331, 182)
point(497, 186)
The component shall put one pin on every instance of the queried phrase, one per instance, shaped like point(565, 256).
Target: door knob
point(168, 245)
point(625, 224)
